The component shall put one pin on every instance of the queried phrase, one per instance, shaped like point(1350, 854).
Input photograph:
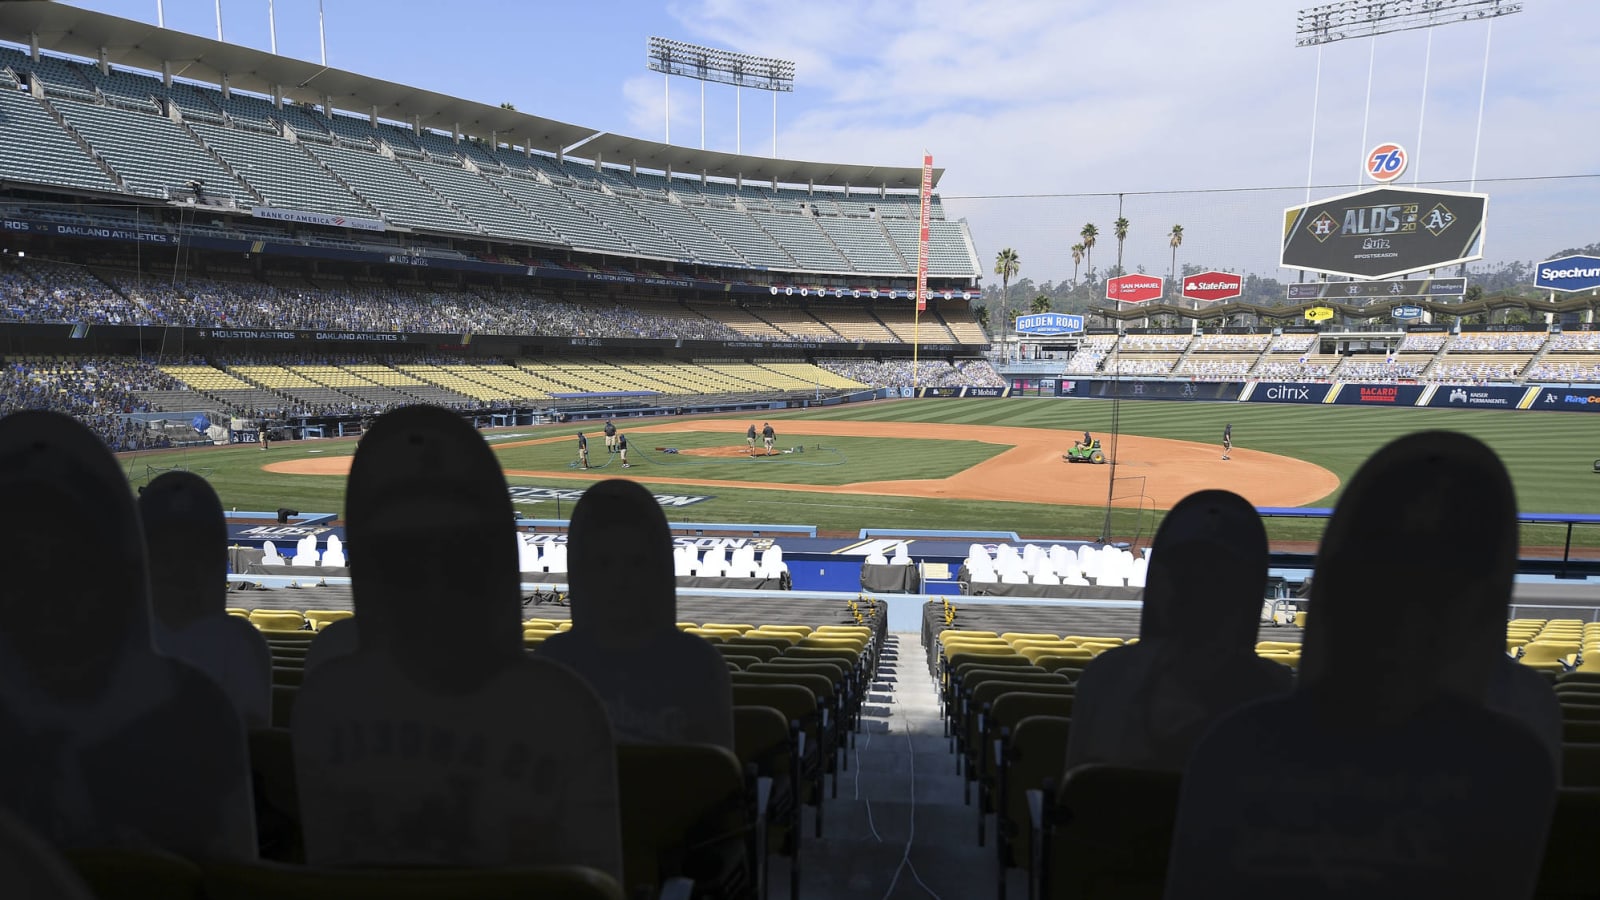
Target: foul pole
point(922, 269)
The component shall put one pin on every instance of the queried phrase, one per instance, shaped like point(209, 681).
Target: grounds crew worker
point(750, 438)
point(611, 437)
point(583, 450)
point(768, 436)
point(622, 450)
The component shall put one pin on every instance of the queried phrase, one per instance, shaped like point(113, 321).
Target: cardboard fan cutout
point(103, 743)
point(439, 741)
point(1146, 705)
point(336, 639)
point(31, 869)
point(1383, 775)
point(187, 540)
point(660, 685)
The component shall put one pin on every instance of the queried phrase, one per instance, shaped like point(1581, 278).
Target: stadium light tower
point(705, 64)
point(1349, 19)
point(1362, 18)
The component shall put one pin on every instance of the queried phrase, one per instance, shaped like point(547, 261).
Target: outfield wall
point(1339, 393)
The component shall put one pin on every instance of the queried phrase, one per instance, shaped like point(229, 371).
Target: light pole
point(740, 70)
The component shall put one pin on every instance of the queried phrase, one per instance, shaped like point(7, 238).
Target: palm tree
point(1077, 259)
point(1006, 265)
point(1120, 229)
point(1041, 303)
point(1089, 233)
point(1175, 239)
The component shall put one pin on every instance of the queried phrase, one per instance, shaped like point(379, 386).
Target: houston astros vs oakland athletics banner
point(1384, 232)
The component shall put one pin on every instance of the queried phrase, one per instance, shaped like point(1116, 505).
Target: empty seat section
point(866, 245)
point(39, 151)
point(640, 234)
point(283, 173)
point(399, 196)
point(804, 240)
point(572, 225)
point(739, 231)
point(152, 154)
point(484, 203)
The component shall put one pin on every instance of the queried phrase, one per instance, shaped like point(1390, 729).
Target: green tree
point(1006, 265)
point(1041, 303)
point(508, 105)
point(1077, 260)
point(1088, 234)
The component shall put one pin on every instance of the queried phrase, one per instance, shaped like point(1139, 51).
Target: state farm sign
point(1210, 286)
point(1134, 288)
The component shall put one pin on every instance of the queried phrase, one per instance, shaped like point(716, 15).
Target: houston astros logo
point(1386, 162)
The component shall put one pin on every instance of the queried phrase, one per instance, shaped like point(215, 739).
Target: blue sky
point(1029, 97)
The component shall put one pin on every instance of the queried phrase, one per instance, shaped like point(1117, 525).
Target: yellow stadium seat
point(319, 618)
point(277, 620)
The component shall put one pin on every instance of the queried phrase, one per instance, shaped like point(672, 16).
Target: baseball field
point(991, 464)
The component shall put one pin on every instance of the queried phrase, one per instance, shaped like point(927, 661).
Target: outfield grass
point(1550, 457)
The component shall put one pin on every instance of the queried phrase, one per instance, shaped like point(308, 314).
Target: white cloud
point(1040, 97)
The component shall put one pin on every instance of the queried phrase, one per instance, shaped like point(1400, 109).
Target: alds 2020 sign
point(1384, 232)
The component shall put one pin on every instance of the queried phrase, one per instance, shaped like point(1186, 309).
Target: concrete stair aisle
point(898, 829)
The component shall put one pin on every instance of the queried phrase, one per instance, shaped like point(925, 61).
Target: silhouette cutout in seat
point(30, 869)
point(187, 540)
point(1145, 706)
point(1383, 774)
point(103, 743)
point(439, 741)
point(659, 684)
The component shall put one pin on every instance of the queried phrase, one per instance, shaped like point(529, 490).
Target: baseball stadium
point(915, 530)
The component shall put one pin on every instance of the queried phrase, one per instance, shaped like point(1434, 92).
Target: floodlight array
point(1368, 18)
point(721, 66)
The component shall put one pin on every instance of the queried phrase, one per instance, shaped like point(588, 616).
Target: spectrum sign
point(1568, 273)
